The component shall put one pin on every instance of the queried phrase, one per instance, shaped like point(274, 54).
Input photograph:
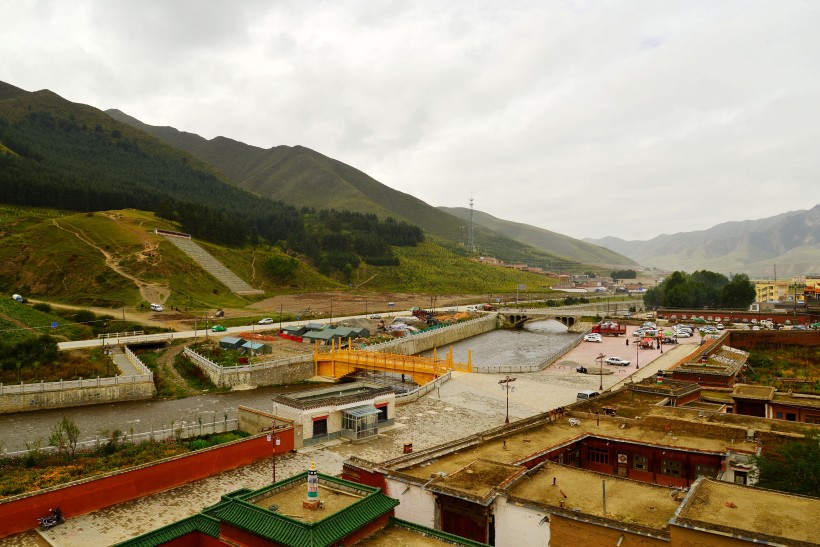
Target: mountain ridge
point(791, 240)
point(303, 177)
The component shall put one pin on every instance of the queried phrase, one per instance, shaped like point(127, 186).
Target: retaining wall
point(20, 513)
point(417, 343)
point(281, 371)
point(410, 396)
point(19, 402)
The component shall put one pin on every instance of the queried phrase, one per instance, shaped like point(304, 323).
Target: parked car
point(218, 328)
point(586, 395)
point(266, 321)
point(375, 316)
point(156, 307)
point(683, 334)
point(616, 361)
point(719, 326)
point(593, 337)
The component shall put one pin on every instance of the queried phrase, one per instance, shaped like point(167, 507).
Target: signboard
point(54, 324)
point(522, 287)
point(391, 304)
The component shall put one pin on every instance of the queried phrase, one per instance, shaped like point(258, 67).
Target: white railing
point(42, 387)
point(410, 396)
point(118, 335)
point(183, 430)
point(138, 364)
point(74, 384)
point(220, 369)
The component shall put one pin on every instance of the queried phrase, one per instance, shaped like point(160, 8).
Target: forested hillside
point(54, 153)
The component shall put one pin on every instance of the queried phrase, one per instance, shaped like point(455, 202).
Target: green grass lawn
point(795, 368)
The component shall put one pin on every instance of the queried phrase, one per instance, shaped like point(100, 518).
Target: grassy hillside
point(572, 249)
point(105, 258)
point(305, 178)
point(430, 268)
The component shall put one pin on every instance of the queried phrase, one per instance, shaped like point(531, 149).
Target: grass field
point(795, 368)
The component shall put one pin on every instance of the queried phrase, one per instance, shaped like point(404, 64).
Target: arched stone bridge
point(568, 315)
point(518, 318)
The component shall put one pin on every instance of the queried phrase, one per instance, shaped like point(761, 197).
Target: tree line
point(65, 164)
point(702, 289)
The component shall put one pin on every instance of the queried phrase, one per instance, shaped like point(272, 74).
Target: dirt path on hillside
point(151, 292)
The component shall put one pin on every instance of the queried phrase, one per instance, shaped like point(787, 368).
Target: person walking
point(627, 341)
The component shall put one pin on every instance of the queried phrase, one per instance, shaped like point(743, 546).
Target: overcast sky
point(588, 118)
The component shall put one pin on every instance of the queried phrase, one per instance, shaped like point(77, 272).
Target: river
point(499, 347)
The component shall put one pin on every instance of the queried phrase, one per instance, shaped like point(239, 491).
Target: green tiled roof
point(235, 509)
point(197, 523)
point(444, 536)
point(294, 533)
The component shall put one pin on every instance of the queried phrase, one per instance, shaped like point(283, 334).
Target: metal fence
point(182, 430)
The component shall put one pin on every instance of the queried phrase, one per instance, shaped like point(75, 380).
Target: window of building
point(791, 417)
point(778, 415)
point(812, 419)
point(673, 468)
point(706, 471)
point(640, 463)
point(597, 455)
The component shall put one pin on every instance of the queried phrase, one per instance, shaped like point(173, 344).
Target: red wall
point(360, 475)
point(77, 498)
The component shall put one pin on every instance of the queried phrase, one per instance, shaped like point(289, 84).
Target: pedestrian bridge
point(339, 362)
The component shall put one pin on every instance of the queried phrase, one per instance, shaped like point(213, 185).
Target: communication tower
point(471, 234)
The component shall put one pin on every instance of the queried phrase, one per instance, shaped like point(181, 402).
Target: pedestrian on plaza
point(627, 341)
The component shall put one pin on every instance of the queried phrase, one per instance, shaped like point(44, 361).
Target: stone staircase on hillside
point(212, 265)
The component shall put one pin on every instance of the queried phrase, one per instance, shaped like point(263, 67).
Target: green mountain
point(544, 239)
point(305, 178)
point(77, 186)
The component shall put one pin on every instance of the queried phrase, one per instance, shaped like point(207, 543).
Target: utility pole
point(274, 440)
point(505, 384)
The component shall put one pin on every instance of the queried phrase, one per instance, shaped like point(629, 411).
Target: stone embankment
point(71, 393)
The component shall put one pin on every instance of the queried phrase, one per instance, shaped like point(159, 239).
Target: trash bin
point(408, 448)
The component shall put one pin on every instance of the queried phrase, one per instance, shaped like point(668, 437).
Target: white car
point(156, 307)
point(593, 337)
point(265, 321)
point(683, 334)
point(617, 361)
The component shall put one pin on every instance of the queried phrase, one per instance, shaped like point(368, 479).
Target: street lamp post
point(274, 439)
point(505, 384)
point(600, 360)
point(637, 353)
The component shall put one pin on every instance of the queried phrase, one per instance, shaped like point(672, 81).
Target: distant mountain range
point(305, 178)
point(789, 241)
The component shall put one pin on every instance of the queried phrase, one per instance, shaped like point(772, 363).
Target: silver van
point(586, 395)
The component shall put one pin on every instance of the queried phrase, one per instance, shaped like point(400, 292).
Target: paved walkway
point(465, 405)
